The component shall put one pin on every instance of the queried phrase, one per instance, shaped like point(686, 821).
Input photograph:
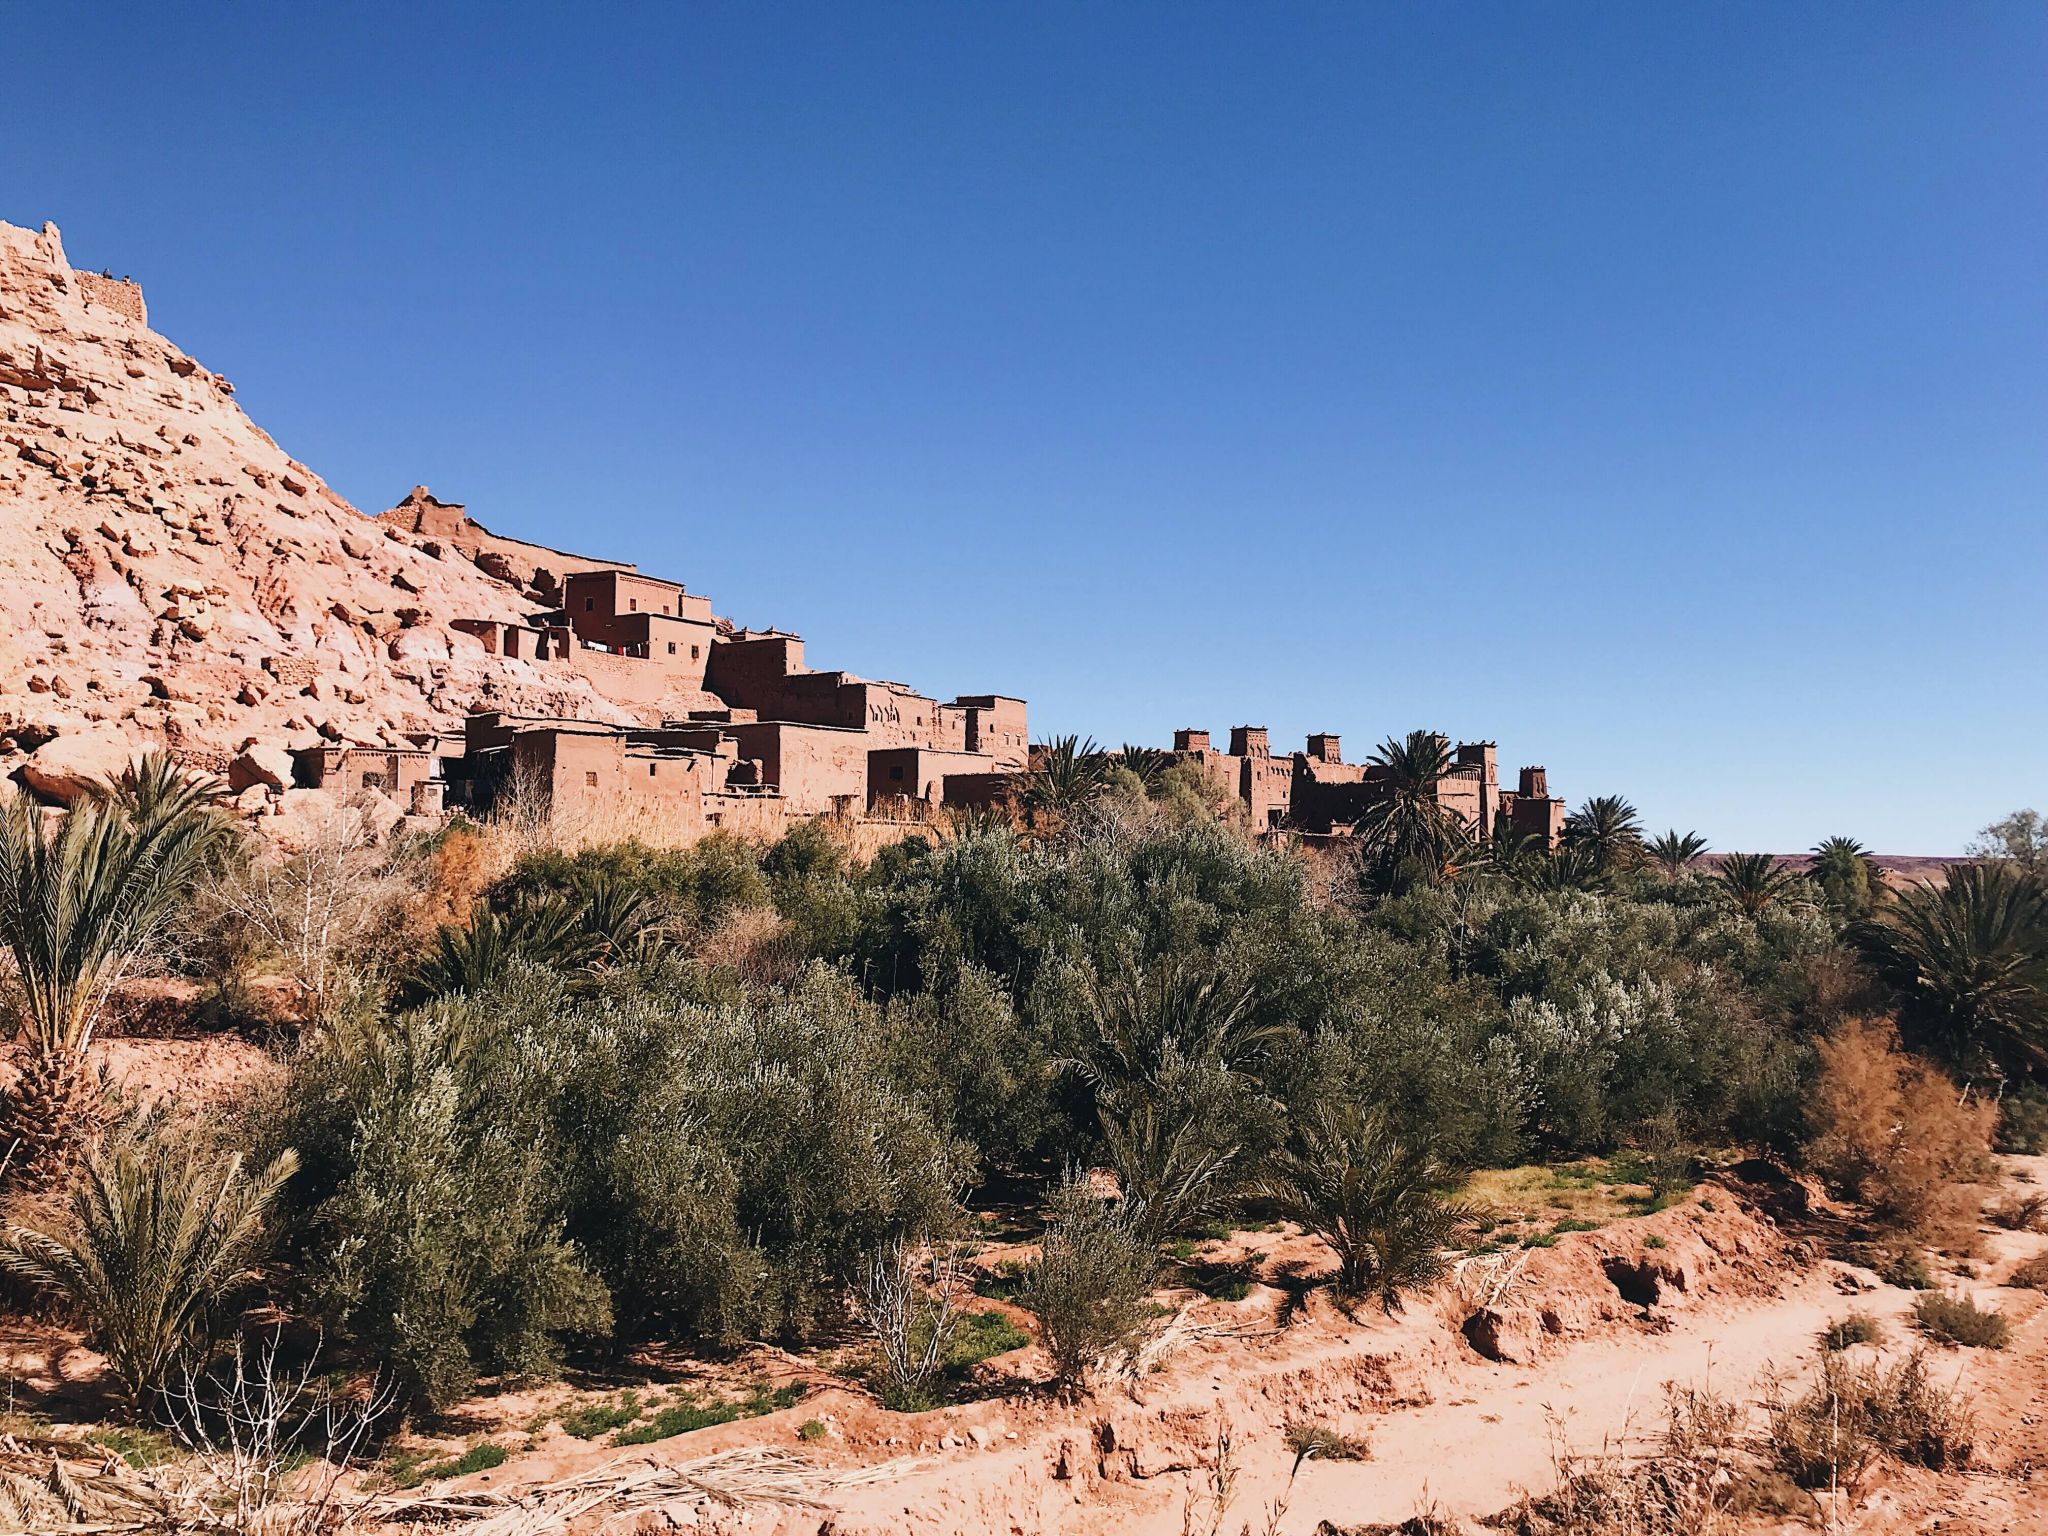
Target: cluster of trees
point(625, 1094)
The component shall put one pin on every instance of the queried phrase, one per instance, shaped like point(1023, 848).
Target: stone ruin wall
point(123, 295)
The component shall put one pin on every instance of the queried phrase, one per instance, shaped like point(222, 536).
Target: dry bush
point(461, 867)
point(2025, 1212)
point(1686, 1486)
point(1959, 1320)
point(1319, 1440)
point(1831, 1435)
point(756, 945)
point(1891, 1130)
point(325, 917)
point(907, 1304)
point(1856, 1328)
point(2032, 1275)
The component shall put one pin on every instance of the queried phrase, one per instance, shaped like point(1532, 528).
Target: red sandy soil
point(1735, 1299)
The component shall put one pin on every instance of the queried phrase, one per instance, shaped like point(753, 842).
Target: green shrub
point(2032, 1275)
point(811, 1429)
point(1856, 1328)
point(1959, 1320)
point(1092, 1282)
point(485, 1174)
point(2023, 1212)
point(2023, 1121)
point(1906, 1268)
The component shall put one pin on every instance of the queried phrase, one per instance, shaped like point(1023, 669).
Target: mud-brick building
point(740, 730)
point(1315, 791)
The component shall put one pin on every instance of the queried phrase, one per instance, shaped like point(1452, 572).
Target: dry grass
point(1848, 1332)
point(1319, 1440)
point(2024, 1212)
point(1686, 1486)
point(1832, 1435)
point(1594, 1191)
point(754, 944)
point(2031, 1275)
point(1892, 1131)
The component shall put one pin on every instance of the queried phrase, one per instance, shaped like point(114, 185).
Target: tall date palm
point(1608, 828)
point(80, 905)
point(1675, 852)
point(1971, 958)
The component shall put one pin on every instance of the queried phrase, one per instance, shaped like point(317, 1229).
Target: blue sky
point(1661, 390)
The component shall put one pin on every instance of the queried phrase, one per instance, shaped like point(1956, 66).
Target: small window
point(589, 604)
point(633, 605)
point(590, 778)
point(651, 767)
point(694, 653)
point(671, 647)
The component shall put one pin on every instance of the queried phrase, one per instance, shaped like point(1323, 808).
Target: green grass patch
point(811, 1429)
point(981, 1336)
point(692, 1413)
point(408, 1469)
point(594, 1419)
point(140, 1448)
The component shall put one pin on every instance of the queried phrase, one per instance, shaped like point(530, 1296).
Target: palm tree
point(1572, 868)
point(1146, 763)
point(600, 920)
point(1173, 1045)
point(1755, 882)
point(1066, 774)
point(1351, 1183)
point(1675, 851)
point(80, 906)
point(1849, 878)
point(1607, 826)
point(156, 1237)
point(1409, 823)
point(1971, 958)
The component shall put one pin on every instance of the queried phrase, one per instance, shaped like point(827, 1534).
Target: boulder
point(261, 764)
point(67, 766)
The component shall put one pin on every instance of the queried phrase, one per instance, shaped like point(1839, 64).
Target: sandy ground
point(1735, 1299)
point(1710, 1291)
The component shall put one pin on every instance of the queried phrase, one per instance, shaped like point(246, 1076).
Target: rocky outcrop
point(170, 577)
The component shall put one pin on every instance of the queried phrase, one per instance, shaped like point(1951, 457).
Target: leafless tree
point(906, 1297)
point(318, 910)
point(271, 1443)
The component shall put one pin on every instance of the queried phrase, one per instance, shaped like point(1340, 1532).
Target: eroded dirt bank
point(1461, 1398)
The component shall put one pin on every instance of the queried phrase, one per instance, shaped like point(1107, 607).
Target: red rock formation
point(169, 576)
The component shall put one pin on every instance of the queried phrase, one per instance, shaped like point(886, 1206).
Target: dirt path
point(1710, 1292)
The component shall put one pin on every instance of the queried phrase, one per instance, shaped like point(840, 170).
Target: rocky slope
point(169, 576)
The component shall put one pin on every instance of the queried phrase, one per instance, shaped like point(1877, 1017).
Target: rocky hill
point(169, 576)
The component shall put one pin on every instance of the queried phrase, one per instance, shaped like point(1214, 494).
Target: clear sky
point(1659, 389)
